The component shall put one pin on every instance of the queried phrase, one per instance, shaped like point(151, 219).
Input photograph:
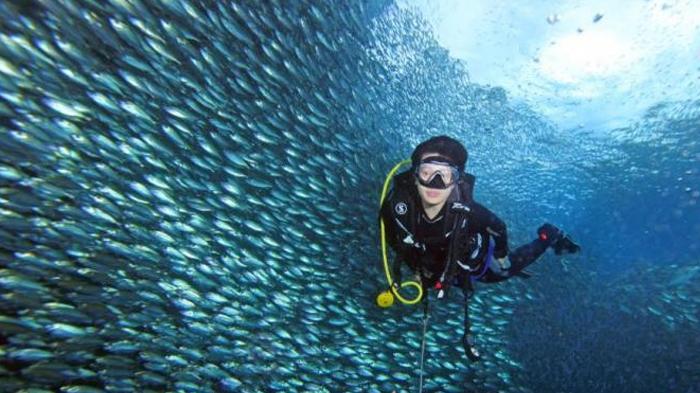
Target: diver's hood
point(464, 192)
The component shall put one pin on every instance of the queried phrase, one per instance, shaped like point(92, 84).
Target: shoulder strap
point(402, 205)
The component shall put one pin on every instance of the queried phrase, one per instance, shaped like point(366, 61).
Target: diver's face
point(432, 196)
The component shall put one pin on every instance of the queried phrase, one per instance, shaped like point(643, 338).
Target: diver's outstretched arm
point(523, 256)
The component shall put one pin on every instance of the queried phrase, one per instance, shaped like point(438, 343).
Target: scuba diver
point(445, 237)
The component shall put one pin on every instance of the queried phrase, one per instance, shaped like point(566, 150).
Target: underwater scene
point(190, 193)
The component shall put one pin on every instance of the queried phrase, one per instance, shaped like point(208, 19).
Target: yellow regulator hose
point(383, 241)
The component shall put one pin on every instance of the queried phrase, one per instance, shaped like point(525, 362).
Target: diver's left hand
point(504, 263)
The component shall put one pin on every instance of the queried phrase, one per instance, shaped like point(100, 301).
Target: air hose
point(384, 252)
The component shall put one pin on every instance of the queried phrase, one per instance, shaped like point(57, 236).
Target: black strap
point(448, 272)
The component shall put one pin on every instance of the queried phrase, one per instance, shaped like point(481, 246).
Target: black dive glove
point(557, 239)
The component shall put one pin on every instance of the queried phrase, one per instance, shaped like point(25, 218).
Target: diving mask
point(436, 172)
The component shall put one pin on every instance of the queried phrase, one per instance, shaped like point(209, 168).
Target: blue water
point(189, 193)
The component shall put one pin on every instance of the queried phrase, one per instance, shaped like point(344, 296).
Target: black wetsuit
point(457, 246)
point(435, 234)
point(431, 258)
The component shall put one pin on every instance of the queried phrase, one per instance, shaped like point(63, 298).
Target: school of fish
point(188, 202)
